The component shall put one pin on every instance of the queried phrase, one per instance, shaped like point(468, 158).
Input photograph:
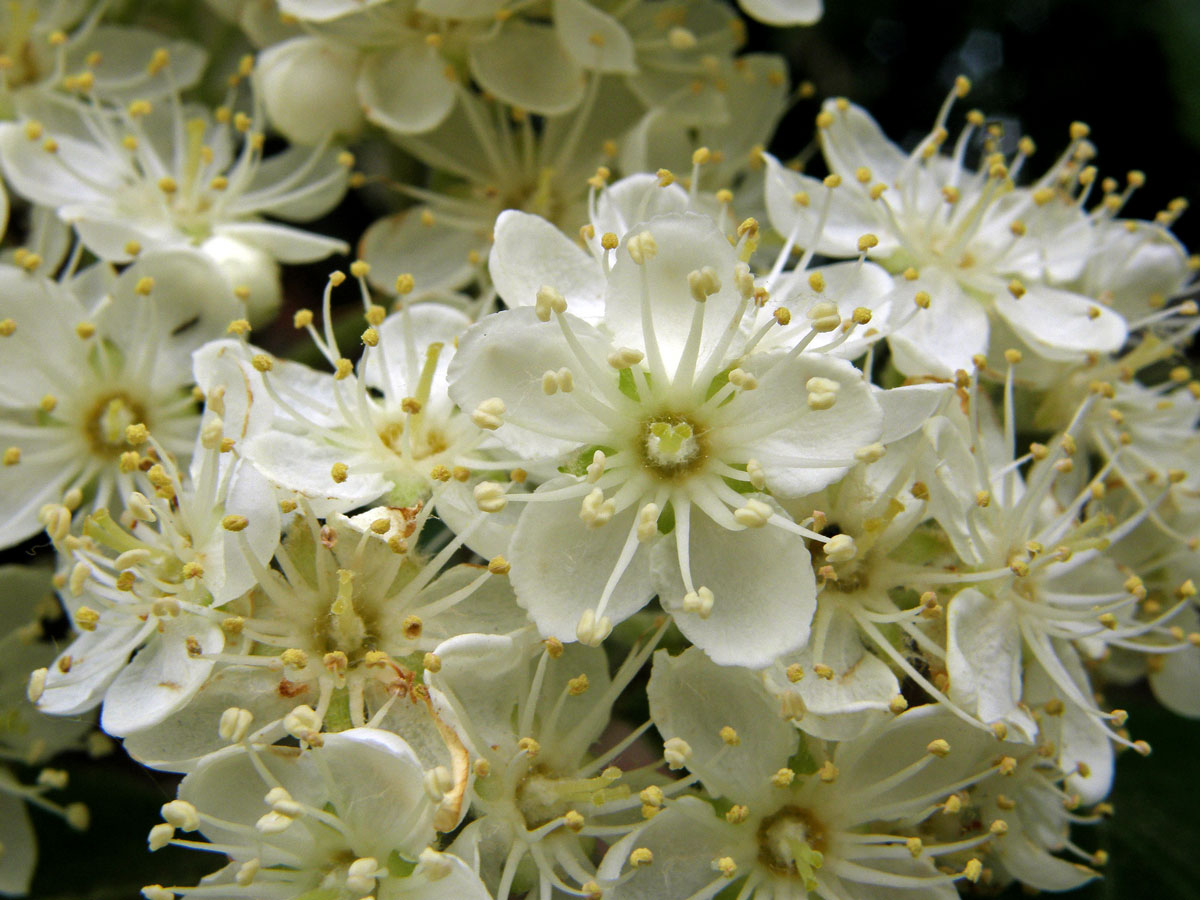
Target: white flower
point(156, 585)
point(800, 820)
point(52, 44)
point(656, 412)
point(343, 625)
point(87, 358)
point(1033, 587)
point(530, 713)
point(344, 439)
point(165, 175)
point(348, 819)
point(981, 247)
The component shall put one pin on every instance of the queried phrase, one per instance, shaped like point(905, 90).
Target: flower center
point(543, 797)
point(673, 447)
point(105, 424)
point(790, 843)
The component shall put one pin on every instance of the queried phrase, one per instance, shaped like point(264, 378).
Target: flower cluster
point(657, 518)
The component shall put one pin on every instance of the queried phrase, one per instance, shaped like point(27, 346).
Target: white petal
point(560, 566)
point(907, 408)
point(397, 371)
point(763, 589)
point(95, 659)
point(436, 255)
point(304, 464)
point(804, 434)
point(941, 339)
point(851, 213)
point(684, 839)
point(286, 244)
point(1060, 324)
point(162, 677)
point(983, 658)
point(525, 65)
point(1176, 683)
point(593, 38)
point(855, 140)
point(634, 199)
point(18, 840)
point(405, 89)
point(686, 242)
point(783, 12)
point(505, 355)
point(530, 253)
point(693, 698)
point(179, 741)
point(844, 706)
point(306, 73)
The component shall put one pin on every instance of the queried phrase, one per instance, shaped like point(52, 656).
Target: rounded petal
point(941, 339)
point(593, 38)
point(782, 13)
point(763, 589)
point(694, 699)
point(525, 65)
point(687, 242)
point(505, 356)
point(283, 242)
point(841, 707)
point(983, 658)
point(854, 140)
point(684, 839)
point(530, 253)
point(77, 680)
point(1060, 324)
point(405, 89)
point(560, 566)
point(851, 214)
point(186, 735)
point(19, 843)
point(436, 255)
point(792, 453)
point(306, 73)
point(163, 676)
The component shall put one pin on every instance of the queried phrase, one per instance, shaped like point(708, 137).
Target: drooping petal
point(983, 658)
point(163, 676)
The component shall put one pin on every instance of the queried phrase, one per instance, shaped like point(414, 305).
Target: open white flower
point(349, 818)
point(798, 819)
point(166, 175)
point(85, 359)
point(530, 713)
point(154, 585)
point(344, 439)
point(656, 414)
point(52, 44)
point(1032, 587)
point(980, 246)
